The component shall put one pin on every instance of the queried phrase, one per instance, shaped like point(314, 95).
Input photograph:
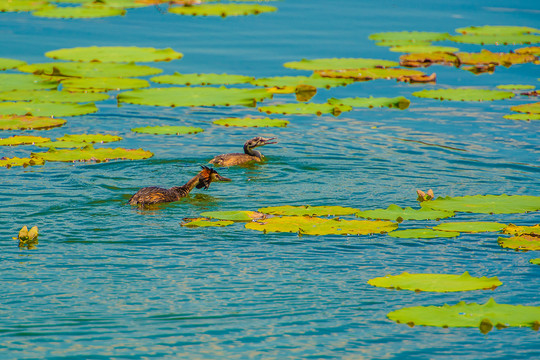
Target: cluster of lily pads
point(83, 9)
point(325, 220)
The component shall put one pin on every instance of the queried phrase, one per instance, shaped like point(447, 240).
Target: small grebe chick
point(154, 195)
point(249, 153)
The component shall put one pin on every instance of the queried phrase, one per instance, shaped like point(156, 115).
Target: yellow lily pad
point(9, 82)
point(22, 140)
point(486, 57)
point(486, 204)
point(396, 103)
point(435, 282)
point(305, 108)
point(89, 69)
point(115, 54)
point(423, 234)
point(24, 162)
point(88, 153)
point(16, 122)
point(371, 74)
point(521, 230)
point(38, 108)
point(222, 10)
point(10, 63)
point(202, 79)
point(428, 59)
point(464, 94)
point(396, 213)
point(51, 96)
point(207, 223)
point(339, 64)
point(22, 5)
point(234, 215)
point(252, 122)
point(470, 226)
point(306, 210)
point(520, 243)
point(168, 130)
point(484, 316)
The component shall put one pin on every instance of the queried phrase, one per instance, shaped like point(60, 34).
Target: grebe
point(249, 153)
point(154, 195)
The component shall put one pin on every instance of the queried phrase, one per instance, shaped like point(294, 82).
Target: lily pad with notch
point(371, 74)
point(533, 108)
point(533, 230)
point(409, 36)
point(428, 59)
point(486, 57)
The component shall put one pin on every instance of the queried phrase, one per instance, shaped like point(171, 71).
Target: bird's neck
point(185, 189)
point(252, 152)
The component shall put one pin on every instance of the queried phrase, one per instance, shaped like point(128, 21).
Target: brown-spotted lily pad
point(116, 54)
point(222, 10)
point(10, 63)
point(371, 74)
point(428, 59)
point(470, 226)
point(51, 96)
point(306, 210)
point(199, 96)
point(524, 117)
point(9, 82)
point(533, 50)
point(168, 130)
point(517, 39)
point(436, 282)
point(464, 94)
point(88, 153)
point(535, 261)
point(395, 103)
point(533, 108)
point(497, 30)
point(409, 36)
point(515, 87)
point(101, 84)
point(339, 64)
point(27, 122)
point(484, 316)
point(90, 138)
point(520, 230)
point(234, 215)
point(202, 79)
point(24, 162)
point(486, 57)
point(89, 69)
point(295, 81)
point(305, 108)
point(397, 213)
point(37, 108)
point(22, 140)
point(520, 243)
point(252, 122)
point(486, 204)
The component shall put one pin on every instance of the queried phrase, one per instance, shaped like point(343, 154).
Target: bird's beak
point(267, 141)
point(222, 178)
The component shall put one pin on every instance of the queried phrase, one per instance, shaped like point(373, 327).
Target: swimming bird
point(249, 153)
point(154, 195)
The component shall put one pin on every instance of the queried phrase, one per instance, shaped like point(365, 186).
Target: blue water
point(108, 281)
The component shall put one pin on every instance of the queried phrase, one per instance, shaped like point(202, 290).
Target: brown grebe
point(153, 195)
point(249, 153)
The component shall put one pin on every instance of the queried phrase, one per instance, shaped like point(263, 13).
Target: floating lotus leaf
point(51, 96)
point(486, 57)
point(397, 103)
point(305, 108)
point(520, 230)
point(423, 234)
point(294, 81)
point(202, 96)
point(469, 315)
point(62, 144)
point(90, 69)
point(79, 12)
point(464, 94)
point(202, 79)
point(522, 242)
point(103, 83)
point(470, 226)
point(207, 223)
point(16, 122)
point(306, 210)
point(486, 204)
point(515, 87)
point(234, 215)
point(90, 138)
point(370, 74)
point(10, 63)
point(525, 117)
point(252, 122)
point(396, 213)
point(319, 226)
point(535, 261)
point(394, 43)
point(22, 140)
point(533, 50)
point(21, 5)
point(435, 282)
point(496, 30)
point(516, 39)
point(46, 108)
point(15, 161)
point(409, 36)
point(222, 10)
point(427, 59)
point(168, 130)
point(10, 82)
point(423, 49)
point(115, 54)
point(339, 64)
point(88, 153)
point(533, 108)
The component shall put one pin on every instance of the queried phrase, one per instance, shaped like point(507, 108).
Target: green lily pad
point(203, 96)
point(62, 144)
point(78, 12)
point(10, 82)
point(520, 243)
point(319, 226)
point(10, 63)
point(497, 30)
point(90, 138)
point(370, 74)
point(22, 5)
point(533, 108)
point(294, 81)
point(535, 261)
point(339, 64)
point(409, 36)
point(516, 39)
point(305, 108)
point(53, 96)
point(423, 234)
point(515, 87)
point(396, 103)
point(486, 204)
point(396, 213)
point(103, 84)
point(222, 10)
point(88, 153)
point(16, 122)
point(469, 315)
point(486, 57)
point(520, 230)
point(234, 215)
point(201, 79)
point(470, 226)
point(45, 108)
point(423, 49)
point(524, 117)
point(207, 223)
point(306, 210)
point(168, 130)
point(115, 54)
point(24, 162)
point(22, 140)
point(89, 69)
point(464, 94)
point(252, 122)
point(428, 59)
point(435, 282)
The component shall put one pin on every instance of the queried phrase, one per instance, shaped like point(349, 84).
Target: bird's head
point(207, 175)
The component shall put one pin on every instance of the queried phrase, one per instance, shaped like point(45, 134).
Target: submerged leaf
point(116, 54)
point(22, 140)
point(339, 64)
point(16, 122)
point(486, 204)
point(168, 130)
point(435, 282)
point(252, 122)
point(470, 226)
point(307, 210)
point(464, 94)
point(396, 213)
point(90, 154)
